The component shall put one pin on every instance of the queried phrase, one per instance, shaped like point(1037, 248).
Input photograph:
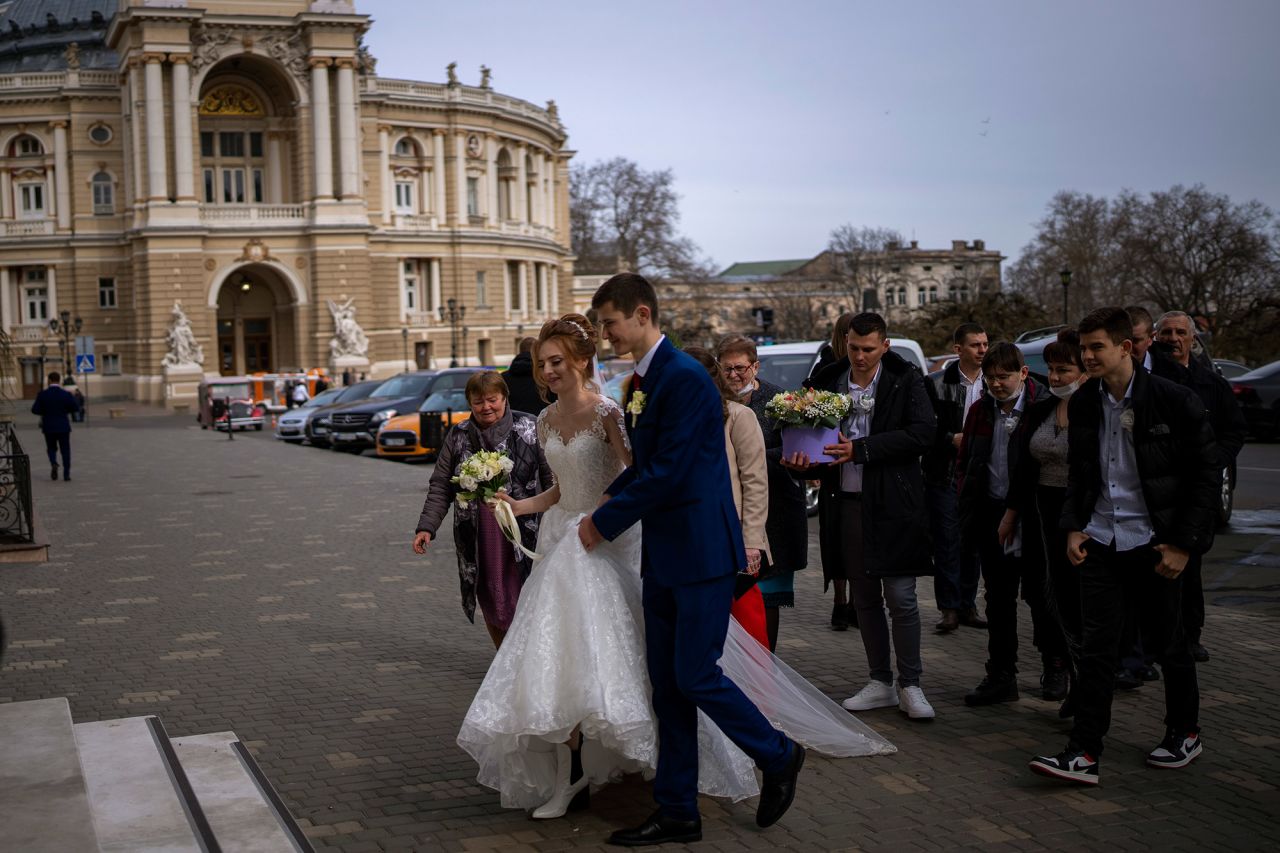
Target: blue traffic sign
point(85, 363)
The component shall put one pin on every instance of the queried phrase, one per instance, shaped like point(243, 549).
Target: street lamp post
point(65, 328)
point(404, 348)
point(1065, 275)
point(456, 314)
point(464, 344)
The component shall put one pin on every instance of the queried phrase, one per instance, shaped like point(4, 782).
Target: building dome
point(35, 35)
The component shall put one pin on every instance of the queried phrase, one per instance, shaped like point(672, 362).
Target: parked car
point(788, 365)
point(354, 427)
point(401, 437)
point(316, 427)
point(227, 403)
point(291, 425)
point(1259, 394)
point(1033, 353)
point(1229, 369)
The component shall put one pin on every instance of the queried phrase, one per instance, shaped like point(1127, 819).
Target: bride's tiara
point(578, 326)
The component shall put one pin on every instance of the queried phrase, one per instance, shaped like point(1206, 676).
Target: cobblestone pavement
point(271, 590)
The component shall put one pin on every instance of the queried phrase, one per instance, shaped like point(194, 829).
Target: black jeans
point(1004, 575)
point(55, 441)
point(1110, 581)
point(1192, 599)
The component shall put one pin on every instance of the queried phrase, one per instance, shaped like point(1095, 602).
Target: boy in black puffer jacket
point(1141, 499)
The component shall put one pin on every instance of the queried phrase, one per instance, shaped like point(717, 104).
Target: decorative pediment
point(231, 100)
point(255, 251)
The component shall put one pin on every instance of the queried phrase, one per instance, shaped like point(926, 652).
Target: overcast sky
point(943, 120)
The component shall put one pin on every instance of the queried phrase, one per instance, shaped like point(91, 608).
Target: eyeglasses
point(737, 370)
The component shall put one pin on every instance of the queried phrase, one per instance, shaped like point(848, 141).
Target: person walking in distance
point(953, 391)
point(873, 493)
point(55, 405)
point(1142, 488)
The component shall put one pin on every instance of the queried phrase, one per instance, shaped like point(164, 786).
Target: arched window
point(104, 197)
point(26, 146)
point(933, 293)
point(233, 158)
point(506, 184)
point(406, 148)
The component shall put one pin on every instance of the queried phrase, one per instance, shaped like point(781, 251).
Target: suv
point(354, 427)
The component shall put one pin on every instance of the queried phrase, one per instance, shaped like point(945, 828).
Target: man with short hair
point(523, 390)
point(952, 392)
point(1141, 494)
point(873, 526)
point(1175, 330)
point(1153, 356)
point(55, 405)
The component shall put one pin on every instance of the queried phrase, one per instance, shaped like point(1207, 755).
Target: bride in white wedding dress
point(565, 703)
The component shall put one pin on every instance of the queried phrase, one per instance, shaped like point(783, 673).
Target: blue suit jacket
point(54, 405)
point(678, 482)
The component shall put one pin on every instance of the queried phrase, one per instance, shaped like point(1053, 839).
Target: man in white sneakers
point(1141, 499)
point(873, 525)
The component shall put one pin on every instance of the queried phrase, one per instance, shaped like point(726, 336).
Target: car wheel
point(811, 490)
point(1226, 497)
point(258, 427)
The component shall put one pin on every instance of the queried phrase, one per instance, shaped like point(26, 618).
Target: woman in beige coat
point(744, 445)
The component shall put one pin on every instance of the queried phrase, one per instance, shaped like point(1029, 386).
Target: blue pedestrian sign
point(85, 363)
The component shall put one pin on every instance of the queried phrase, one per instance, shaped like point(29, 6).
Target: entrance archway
point(256, 329)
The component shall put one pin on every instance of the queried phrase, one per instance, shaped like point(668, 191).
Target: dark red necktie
point(636, 381)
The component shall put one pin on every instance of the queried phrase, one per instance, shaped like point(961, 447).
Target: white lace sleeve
point(542, 428)
point(608, 414)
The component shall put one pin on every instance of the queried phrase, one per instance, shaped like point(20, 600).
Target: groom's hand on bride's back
point(588, 535)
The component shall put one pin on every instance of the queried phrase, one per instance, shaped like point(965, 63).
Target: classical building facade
point(804, 297)
point(245, 163)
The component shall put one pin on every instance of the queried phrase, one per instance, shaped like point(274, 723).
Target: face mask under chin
point(1062, 392)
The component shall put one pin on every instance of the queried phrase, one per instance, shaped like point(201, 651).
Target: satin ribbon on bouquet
point(510, 527)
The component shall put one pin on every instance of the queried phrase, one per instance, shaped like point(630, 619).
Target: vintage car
point(227, 403)
point(401, 437)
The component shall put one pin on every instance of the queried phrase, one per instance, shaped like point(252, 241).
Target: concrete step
point(244, 811)
point(44, 805)
point(138, 792)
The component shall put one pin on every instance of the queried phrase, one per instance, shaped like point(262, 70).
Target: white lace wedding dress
point(574, 656)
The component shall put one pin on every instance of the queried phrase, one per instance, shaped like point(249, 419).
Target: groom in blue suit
point(678, 485)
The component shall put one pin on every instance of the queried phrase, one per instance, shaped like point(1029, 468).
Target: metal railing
point(15, 488)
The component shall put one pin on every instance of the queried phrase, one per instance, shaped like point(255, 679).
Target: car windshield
point(234, 390)
point(356, 392)
point(1230, 369)
point(410, 385)
point(454, 400)
point(786, 371)
point(324, 398)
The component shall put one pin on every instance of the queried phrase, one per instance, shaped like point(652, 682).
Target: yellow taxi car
point(401, 437)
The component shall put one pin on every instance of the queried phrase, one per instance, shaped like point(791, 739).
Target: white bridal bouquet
point(811, 420)
point(482, 476)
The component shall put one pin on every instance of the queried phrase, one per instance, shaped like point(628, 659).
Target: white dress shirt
point(1120, 515)
point(642, 366)
point(857, 424)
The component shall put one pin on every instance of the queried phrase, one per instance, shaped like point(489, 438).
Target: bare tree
point(623, 216)
point(860, 260)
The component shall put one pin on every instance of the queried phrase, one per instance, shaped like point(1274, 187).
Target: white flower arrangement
point(809, 408)
point(481, 476)
point(635, 407)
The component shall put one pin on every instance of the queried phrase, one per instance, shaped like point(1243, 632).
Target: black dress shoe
point(659, 829)
point(54, 474)
point(1127, 679)
point(778, 790)
point(1199, 653)
point(839, 617)
point(993, 690)
point(970, 618)
point(949, 622)
point(66, 475)
point(1148, 673)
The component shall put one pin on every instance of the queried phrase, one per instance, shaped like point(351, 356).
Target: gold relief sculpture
point(231, 101)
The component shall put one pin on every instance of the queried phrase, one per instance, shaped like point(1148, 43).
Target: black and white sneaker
point(1176, 750)
point(1070, 765)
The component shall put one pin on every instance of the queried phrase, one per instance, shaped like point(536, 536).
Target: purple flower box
point(809, 441)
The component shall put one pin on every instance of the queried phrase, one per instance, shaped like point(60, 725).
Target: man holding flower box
point(873, 526)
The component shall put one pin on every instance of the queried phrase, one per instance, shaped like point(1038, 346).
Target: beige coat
point(744, 443)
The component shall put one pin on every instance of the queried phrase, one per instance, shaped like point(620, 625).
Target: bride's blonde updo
point(576, 337)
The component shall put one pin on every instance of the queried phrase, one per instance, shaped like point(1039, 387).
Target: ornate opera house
point(234, 176)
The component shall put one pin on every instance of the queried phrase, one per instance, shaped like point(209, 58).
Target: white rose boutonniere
point(636, 406)
point(1126, 420)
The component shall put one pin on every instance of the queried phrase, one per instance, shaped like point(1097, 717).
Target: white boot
point(565, 791)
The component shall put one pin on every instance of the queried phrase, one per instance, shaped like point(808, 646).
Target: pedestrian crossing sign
point(85, 363)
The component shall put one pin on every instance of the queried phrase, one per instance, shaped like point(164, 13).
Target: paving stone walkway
point(271, 590)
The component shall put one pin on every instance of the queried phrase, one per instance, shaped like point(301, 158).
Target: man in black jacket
point(55, 405)
point(519, 377)
point(873, 526)
point(953, 391)
point(1140, 501)
point(989, 451)
point(1176, 331)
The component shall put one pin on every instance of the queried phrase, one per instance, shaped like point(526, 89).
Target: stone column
point(555, 291)
point(539, 166)
point(384, 169)
point(524, 289)
point(548, 196)
point(157, 179)
point(423, 202)
point(437, 175)
point(522, 189)
point(275, 167)
point(6, 195)
point(183, 165)
point(491, 167)
point(320, 128)
point(435, 287)
point(348, 154)
point(460, 178)
point(61, 175)
point(135, 131)
point(51, 285)
point(543, 304)
point(6, 305)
